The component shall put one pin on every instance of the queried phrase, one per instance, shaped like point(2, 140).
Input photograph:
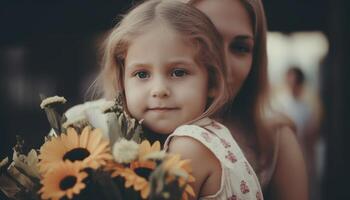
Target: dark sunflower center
point(143, 172)
point(68, 182)
point(76, 154)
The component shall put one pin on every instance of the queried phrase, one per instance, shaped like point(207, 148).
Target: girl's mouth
point(162, 109)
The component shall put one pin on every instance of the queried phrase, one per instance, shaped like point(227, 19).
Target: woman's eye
point(239, 47)
point(142, 75)
point(178, 73)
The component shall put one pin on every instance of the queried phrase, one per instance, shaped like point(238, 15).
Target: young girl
point(166, 60)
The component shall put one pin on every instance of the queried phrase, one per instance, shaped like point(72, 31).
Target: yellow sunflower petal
point(171, 161)
point(186, 165)
point(116, 168)
point(155, 146)
point(84, 138)
point(144, 148)
point(129, 176)
point(97, 151)
point(72, 137)
point(130, 181)
point(103, 147)
point(145, 164)
point(97, 135)
point(190, 190)
point(140, 183)
point(191, 179)
point(51, 153)
point(145, 192)
point(51, 188)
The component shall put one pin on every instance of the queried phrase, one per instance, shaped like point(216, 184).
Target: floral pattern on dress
point(244, 187)
point(247, 168)
point(231, 157)
point(215, 125)
point(225, 143)
point(206, 136)
point(259, 195)
point(233, 197)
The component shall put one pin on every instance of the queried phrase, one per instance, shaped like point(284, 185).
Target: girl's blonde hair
point(185, 20)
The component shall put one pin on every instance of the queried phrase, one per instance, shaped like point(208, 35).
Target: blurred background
point(53, 47)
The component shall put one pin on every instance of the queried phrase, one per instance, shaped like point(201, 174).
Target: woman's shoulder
point(279, 134)
point(277, 122)
point(290, 157)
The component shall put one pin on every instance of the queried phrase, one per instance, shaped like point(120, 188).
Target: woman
point(268, 140)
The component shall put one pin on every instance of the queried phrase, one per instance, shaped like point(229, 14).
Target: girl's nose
point(160, 90)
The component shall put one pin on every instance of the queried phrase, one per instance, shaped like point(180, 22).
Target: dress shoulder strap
point(213, 136)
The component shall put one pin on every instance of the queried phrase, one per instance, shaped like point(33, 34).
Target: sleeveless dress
point(238, 179)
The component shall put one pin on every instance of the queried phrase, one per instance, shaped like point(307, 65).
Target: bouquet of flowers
point(95, 150)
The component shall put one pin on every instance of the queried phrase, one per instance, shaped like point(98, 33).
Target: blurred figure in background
point(293, 104)
point(302, 106)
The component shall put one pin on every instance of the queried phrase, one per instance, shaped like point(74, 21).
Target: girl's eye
point(240, 47)
point(142, 75)
point(179, 73)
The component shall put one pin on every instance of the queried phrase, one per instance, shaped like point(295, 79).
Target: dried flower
point(27, 163)
point(52, 100)
point(4, 162)
point(125, 151)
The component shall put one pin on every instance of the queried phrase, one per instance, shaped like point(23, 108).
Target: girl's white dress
point(238, 179)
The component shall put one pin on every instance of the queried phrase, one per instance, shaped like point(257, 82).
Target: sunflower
point(89, 148)
point(138, 182)
point(146, 148)
point(137, 173)
point(65, 180)
point(182, 170)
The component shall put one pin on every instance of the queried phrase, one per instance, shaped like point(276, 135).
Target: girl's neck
point(152, 136)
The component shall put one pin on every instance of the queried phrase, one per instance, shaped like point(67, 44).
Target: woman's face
point(234, 24)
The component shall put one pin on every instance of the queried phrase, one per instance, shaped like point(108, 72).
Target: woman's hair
point(251, 104)
point(250, 101)
point(184, 19)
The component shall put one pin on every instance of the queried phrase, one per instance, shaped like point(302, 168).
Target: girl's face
point(234, 24)
point(163, 84)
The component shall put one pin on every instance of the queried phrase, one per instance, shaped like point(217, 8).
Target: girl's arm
point(205, 167)
point(290, 178)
